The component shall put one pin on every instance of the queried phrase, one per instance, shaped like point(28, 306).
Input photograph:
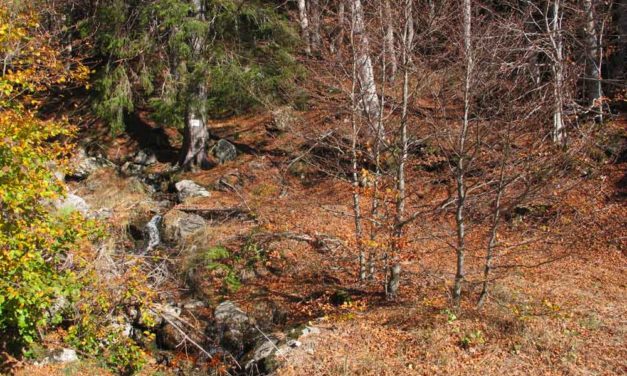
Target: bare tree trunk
point(555, 35)
point(460, 170)
point(365, 72)
point(496, 217)
point(404, 146)
point(196, 135)
point(377, 158)
point(304, 25)
point(621, 18)
point(315, 12)
point(389, 39)
point(336, 46)
point(592, 82)
point(355, 166)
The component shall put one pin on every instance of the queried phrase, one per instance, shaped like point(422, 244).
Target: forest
point(313, 187)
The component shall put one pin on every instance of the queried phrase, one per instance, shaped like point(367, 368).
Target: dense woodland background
point(313, 187)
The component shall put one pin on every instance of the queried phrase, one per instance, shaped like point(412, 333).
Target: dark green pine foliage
point(149, 61)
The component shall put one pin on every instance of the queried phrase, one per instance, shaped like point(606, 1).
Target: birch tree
point(592, 79)
point(304, 25)
point(390, 47)
point(369, 98)
point(554, 27)
point(316, 14)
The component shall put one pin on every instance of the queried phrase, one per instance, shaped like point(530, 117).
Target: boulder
point(59, 356)
point(145, 158)
point(233, 328)
point(224, 151)
point(283, 119)
point(131, 169)
point(262, 359)
point(85, 165)
point(187, 189)
point(72, 202)
point(180, 226)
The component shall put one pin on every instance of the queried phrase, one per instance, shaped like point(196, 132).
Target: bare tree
point(462, 158)
point(369, 98)
point(401, 194)
point(304, 25)
point(554, 27)
point(316, 13)
point(390, 47)
point(355, 161)
point(594, 58)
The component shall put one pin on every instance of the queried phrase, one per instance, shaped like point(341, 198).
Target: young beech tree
point(188, 60)
point(35, 241)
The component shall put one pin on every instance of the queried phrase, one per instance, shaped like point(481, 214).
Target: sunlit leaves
point(34, 241)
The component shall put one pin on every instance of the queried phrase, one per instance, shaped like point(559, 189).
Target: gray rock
point(145, 158)
point(224, 151)
point(131, 169)
point(262, 357)
point(187, 189)
point(124, 328)
point(85, 165)
point(180, 226)
point(60, 356)
point(283, 119)
point(309, 330)
point(72, 202)
point(194, 305)
point(228, 313)
point(169, 310)
point(234, 329)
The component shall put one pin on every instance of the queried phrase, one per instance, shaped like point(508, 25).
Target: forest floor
point(562, 312)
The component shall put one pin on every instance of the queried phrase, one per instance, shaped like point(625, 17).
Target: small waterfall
point(151, 231)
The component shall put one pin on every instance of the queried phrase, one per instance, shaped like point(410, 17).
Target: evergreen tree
point(188, 60)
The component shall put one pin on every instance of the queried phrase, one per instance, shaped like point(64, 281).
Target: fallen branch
point(322, 242)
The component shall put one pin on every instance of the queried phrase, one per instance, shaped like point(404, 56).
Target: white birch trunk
point(559, 131)
point(593, 64)
point(365, 73)
point(315, 12)
point(389, 40)
point(304, 25)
